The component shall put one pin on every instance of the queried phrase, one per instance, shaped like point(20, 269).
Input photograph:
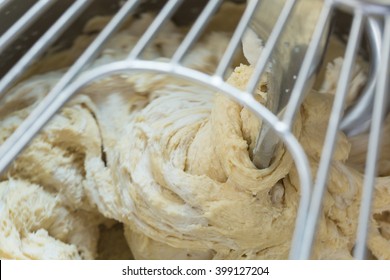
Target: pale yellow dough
point(172, 162)
point(192, 184)
point(34, 225)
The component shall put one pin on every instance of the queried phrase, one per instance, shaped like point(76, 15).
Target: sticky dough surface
point(171, 161)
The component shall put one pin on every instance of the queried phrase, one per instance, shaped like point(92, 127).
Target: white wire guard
point(196, 31)
point(155, 26)
point(34, 122)
point(24, 22)
point(42, 44)
point(58, 96)
point(68, 85)
point(374, 144)
point(270, 46)
point(236, 39)
point(300, 86)
point(260, 66)
point(216, 83)
point(331, 136)
point(3, 3)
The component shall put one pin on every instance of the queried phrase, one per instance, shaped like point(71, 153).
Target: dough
point(193, 186)
point(69, 158)
point(358, 154)
point(56, 158)
point(171, 161)
point(34, 225)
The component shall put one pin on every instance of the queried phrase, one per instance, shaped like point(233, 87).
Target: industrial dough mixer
point(31, 28)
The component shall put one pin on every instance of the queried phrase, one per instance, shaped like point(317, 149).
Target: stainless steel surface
point(282, 24)
point(357, 119)
point(277, 88)
point(78, 75)
point(287, 56)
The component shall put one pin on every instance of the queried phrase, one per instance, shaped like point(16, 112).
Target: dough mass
point(171, 161)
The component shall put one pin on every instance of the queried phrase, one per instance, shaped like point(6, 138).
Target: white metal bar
point(41, 45)
point(374, 142)
point(23, 23)
point(36, 120)
point(269, 46)
point(362, 110)
point(261, 159)
point(236, 38)
point(3, 3)
point(196, 30)
point(373, 7)
point(304, 171)
point(218, 84)
point(152, 30)
point(299, 89)
point(331, 136)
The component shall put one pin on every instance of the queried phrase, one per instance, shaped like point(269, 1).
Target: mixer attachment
point(78, 75)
